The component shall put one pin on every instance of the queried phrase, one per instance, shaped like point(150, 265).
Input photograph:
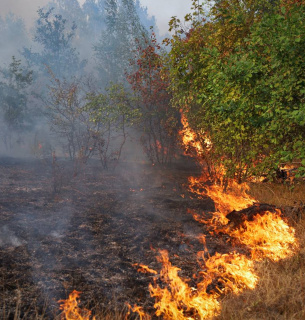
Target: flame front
point(190, 139)
point(70, 308)
point(268, 235)
point(179, 300)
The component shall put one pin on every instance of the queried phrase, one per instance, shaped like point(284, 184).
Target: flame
point(179, 299)
point(139, 310)
point(234, 271)
point(70, 308)
point(267, 236)
point(190, 139)
point(234, 198)
point(144, 269)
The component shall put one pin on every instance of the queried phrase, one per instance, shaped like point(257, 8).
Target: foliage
point(118, 41)
point(13, 99)
point(13, 36)
point(69, 120)
point(114, 112)
point(56, 41)
point(159, 120)
point(240, 79)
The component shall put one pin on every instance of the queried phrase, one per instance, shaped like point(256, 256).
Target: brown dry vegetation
point(280, 293)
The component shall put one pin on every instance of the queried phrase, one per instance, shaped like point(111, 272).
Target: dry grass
point(280, 195)
point(280, 293)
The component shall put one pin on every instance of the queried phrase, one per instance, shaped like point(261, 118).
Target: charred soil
point(90, 232)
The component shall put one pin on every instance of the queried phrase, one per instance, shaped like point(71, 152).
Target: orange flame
point(234, 198)
point(144, 269)
point(139, 311)
point(70, 308)
point(267, 236)
point(189, 138)
point(180, 299)
point(234, 271)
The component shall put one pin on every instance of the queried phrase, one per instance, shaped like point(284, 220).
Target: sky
point(163, 10)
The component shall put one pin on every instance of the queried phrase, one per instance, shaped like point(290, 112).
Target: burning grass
point(280, 291)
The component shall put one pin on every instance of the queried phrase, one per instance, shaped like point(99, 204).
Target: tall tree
point(13, 99)
point(159, 121)
point(13, 36)
point(117, 44)
point(57, 52)
point(111, 12)
point(94, 12)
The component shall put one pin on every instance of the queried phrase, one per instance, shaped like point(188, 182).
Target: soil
point(61, 231)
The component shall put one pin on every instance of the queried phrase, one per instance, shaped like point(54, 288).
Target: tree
point(159, 120)
point(117, 43)
point(13, 36)
point(115, 112)
point(94, 12)
point(239, 77)
point(68, 119)
point(56, 41)
point(111, 10)
point(13, 100)
point(146, 21)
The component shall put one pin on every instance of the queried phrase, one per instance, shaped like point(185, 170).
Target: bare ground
point(90, 232)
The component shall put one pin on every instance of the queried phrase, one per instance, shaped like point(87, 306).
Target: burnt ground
point(90, 232)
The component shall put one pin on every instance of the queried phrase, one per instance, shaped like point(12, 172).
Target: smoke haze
point(162, 10)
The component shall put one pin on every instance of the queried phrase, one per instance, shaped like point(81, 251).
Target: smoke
point(8, 238)
point(162, 10)
point(27, 9)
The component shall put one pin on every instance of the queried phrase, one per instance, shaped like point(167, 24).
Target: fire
point(139, 311)
point(190, 139)
point(267, 236)
point(180, 300)
point(234, 271)
point(70, 308)
point(234, 198)
point(144, 269)
point(231, 272)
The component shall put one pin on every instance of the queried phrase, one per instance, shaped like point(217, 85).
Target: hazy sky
point(163, 10)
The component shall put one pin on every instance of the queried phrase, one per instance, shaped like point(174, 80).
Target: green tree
point(159, 120)
point(14, 86)
point(57, 52)
point(117, 44)
point(239, 77)
point(114, 112)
